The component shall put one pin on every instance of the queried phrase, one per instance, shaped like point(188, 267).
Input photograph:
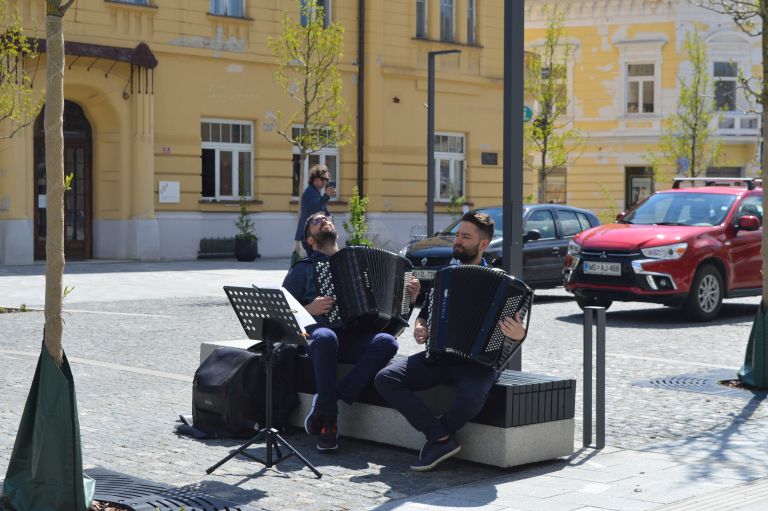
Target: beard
point(325, 238)
point(465, 255)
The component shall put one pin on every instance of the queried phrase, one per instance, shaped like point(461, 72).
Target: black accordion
point(467, 303)
point(369, 286)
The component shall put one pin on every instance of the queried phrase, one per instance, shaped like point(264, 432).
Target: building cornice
point(616, 10)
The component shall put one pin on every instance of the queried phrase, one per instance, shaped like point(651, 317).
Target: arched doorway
point(78, 201)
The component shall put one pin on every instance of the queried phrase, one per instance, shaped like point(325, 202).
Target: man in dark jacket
point(399, 381)
point(369, 351)
point(314, 199)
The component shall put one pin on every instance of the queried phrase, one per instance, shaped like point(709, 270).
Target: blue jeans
point(368, 351)
point(398, 382)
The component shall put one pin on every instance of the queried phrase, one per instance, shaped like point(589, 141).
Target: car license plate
point(598, 268)
point(424, 274)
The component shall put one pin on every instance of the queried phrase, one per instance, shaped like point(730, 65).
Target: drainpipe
point(360, 92)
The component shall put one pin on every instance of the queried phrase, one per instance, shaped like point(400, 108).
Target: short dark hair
point(309, 222)
point(481, 221)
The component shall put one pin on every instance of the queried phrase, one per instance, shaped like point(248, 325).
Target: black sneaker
point(327, 440)
point(313, 422)
point(434, 453)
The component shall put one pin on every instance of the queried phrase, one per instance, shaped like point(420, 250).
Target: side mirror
point(531, 235)
point(621, 215)
point(748, 223)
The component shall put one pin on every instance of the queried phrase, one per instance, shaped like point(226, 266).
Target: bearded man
point(398, 381)
point(368, 351)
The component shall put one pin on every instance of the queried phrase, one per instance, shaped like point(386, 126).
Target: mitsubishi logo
point(423, 261)
point(603, 255)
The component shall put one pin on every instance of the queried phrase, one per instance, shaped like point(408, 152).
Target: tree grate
point(142, 495)
point(703, 383)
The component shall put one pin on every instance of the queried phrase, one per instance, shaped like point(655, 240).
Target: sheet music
point(303, 318)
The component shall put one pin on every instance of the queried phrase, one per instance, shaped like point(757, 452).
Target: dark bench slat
point(517, 399)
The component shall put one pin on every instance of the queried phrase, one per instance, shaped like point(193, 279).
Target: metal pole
point(514, 73)
point(600, 363)
point(594, 315)
point(587, 383)
point(431, 145)
point(431, 138)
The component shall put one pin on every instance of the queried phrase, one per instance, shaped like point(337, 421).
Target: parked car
point(547, 229)
point(688, 247)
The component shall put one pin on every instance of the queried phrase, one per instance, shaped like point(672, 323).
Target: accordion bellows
point(467, 304)
point(368, 285)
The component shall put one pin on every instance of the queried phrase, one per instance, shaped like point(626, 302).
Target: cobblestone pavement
point(133, 332)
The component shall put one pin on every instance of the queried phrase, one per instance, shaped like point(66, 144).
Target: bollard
point(594, 315)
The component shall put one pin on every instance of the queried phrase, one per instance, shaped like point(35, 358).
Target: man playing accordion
point(398, 381)
point(369, 351)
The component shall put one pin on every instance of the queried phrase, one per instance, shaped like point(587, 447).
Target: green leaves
point(357, 226)
point(688, 134)
point(19, 103)
point(308, 57)
point(245, 225)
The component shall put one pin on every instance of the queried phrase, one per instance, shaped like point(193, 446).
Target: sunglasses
point(320, 219)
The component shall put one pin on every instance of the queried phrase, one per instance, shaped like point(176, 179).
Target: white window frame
point(322, 155)
point(236, 149)
point(452, 35)
point(640, 51)
point(733, 79)
point(424, 32)
point(642, 82)
point(735, 47)
point(452, 158)
point(327, 11)
point(471, 22)
point(223, 8)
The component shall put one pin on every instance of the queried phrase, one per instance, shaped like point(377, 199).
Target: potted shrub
point(246, 241)
point(357, 225)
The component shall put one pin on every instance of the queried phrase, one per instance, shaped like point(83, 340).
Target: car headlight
point(675, 251)
point(573, 248)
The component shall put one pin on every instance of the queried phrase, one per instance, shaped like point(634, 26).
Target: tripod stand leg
point(298, 455)
point(237, 451)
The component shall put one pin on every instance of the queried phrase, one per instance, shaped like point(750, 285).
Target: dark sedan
point(547, 229)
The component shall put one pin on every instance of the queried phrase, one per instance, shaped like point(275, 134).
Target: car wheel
point(593, 301)
point(706, 295)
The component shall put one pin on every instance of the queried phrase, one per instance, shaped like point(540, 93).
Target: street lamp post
point(514, 65)
point(431, 138)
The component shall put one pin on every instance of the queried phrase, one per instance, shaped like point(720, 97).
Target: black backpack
point(229, 391)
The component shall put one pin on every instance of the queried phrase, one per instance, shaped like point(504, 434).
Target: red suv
point(688, 247)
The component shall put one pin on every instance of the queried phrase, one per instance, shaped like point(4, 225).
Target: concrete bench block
point(501, 447)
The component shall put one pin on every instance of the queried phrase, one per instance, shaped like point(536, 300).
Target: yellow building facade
point(171, 111)
point(171, 117)
point(623, 82)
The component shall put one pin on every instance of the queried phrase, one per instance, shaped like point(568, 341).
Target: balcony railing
point(734, 124)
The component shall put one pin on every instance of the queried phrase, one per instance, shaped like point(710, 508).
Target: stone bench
point(527, 417)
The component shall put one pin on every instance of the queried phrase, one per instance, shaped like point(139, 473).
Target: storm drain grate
point(703, 383)
point(143, 495)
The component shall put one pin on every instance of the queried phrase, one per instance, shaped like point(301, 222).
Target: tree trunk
point(54, 171)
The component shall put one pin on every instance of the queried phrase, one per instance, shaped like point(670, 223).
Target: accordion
point(467, 303)
point(369, 286)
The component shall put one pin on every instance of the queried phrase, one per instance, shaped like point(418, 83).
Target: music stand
point(267, 315)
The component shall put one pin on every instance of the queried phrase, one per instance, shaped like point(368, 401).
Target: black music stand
point(267, 315)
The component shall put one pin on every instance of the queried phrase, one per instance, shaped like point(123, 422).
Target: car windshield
point(683, 208)
point(494, 213)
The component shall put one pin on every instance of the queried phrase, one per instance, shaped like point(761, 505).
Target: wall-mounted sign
point(489, 158)
point(527, 113)
point(169, 192)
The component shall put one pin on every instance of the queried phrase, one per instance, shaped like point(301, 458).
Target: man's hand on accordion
point(414, 288)
point(420, 332)
point(320, 305)
point(512, 327)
